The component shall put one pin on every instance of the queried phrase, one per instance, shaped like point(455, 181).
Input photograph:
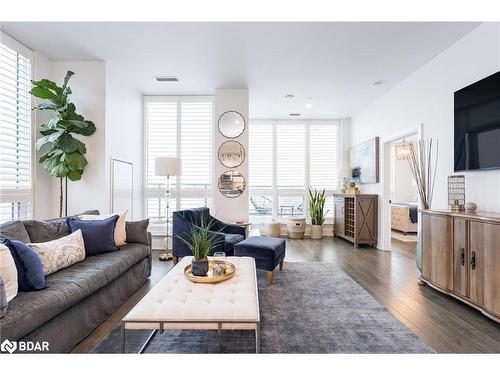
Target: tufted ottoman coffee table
point(268, 252)
point(177, 303)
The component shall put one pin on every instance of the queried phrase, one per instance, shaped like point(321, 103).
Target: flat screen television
point(477, 125)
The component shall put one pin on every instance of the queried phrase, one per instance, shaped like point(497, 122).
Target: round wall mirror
point(231, 124)
point(231, 184)
point(231, 154)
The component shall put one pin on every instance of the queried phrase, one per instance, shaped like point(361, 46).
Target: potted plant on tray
point(201, 241)
point(317, 212)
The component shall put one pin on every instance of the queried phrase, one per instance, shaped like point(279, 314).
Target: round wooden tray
point(210, 278)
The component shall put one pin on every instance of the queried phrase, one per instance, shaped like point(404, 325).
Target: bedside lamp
point(167, 167)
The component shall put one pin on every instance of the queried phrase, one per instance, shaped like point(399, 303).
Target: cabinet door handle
point(473, 260)
point(462, 256)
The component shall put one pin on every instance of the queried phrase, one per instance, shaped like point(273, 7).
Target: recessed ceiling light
point(309, 105)
point(289, 96)
point(378, 83)
point(295, 114)
point(167, 79)
point(309, 102)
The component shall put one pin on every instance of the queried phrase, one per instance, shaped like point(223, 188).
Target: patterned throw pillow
point(61, 253)
point(120, 234)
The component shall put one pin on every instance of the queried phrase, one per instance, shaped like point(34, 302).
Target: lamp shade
point(346, 172)
point(167, 166)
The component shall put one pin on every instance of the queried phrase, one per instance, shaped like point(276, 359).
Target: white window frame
point(275, 192)
point(177, 193)
point(23, 195)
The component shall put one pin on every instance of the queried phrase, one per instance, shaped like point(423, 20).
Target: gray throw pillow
point(49, 230)
point(3, 299)
point(14, 230)
point(43, 231)
point(137, 231)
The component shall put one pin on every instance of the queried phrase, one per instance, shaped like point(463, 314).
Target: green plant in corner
point(316, 206)
point(63, 154)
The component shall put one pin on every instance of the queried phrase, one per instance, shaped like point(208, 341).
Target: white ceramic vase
point(316, 232)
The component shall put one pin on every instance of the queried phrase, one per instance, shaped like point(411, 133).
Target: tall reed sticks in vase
point(422, 156)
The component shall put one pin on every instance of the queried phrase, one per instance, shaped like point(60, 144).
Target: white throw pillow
point(61, 253)
point(8, 272)
point(120, 234)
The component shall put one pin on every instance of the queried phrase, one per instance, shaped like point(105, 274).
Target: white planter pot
point(316, 232)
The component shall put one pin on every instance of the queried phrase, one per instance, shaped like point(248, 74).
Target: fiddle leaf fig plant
point(63, 155)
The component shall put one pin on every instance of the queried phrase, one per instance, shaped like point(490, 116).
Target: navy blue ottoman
point(268, 253)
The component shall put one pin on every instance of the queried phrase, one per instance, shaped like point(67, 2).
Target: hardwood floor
point(443, 323)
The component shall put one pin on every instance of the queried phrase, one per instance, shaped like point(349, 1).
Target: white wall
point(403, 189)
point(426, 97)
point(88, 86)
point(229, 209)
point(45, 202)
point(124, 131)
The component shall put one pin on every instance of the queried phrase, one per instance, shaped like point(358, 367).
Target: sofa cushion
point(29, 267)
point(267, 251)
point(14, 230)
point(66, 288)
point(137, 231)
point(198, 216)
point(3, 300)
point(8, 272)
point(261, 247)
point(230, 240)
point(61, 253)
point(98, 235)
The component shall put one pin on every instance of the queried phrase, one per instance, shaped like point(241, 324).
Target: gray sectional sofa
point(76, 299)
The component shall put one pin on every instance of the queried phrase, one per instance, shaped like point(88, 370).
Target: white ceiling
point(333, 63)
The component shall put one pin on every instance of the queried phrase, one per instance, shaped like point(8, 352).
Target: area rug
point(409, 237)
point(309, 308)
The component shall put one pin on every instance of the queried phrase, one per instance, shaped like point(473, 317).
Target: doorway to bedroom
point(403, 203)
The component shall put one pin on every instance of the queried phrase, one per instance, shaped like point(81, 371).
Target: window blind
point(15, 135)
point(260, 155)
point(196, 122)
point(323, 156)
point(180, 127)
point(299, 154)
point(290, 156)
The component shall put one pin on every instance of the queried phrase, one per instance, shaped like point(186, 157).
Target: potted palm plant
point(201, 241)
point(317, 212)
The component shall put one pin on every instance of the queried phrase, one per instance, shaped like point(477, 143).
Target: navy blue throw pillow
point(29, 267)
point(98, 235)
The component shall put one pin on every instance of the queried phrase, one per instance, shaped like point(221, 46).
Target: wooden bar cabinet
point(356, 218)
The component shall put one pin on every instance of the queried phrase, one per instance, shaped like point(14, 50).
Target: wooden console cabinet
point(356, 217)
point(461, 257)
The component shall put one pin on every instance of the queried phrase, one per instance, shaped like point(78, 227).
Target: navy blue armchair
point(226, 235)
